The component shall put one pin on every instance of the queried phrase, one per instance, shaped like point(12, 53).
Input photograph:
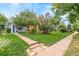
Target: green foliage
point(55, 22)
point(25, 18)
point(62, 28)
point(45, 28)
point(75, 26)
point(13, 45)
point(8, 30)
point(47, 39)
point(3, 19)
point(46, 24)
point(72, 9)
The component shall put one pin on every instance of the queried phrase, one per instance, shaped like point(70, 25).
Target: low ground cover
point(11, 45)
point(47, 39)
point(73, 49)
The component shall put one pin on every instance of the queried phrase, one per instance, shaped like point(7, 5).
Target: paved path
point(35, 47)
point(57, 49)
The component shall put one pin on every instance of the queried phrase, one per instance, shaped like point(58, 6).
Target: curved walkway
point(59, 48)
point(56, 49)
point(34, 46)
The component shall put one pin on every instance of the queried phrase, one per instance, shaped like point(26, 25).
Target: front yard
point(47, 39)
point(11, 45)
point(73, 49)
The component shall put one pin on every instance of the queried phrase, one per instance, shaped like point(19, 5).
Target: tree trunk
point(37, 28)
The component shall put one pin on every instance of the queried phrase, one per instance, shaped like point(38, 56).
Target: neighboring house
point(15, 29)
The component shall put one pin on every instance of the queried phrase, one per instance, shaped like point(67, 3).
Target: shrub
point(32, 29)
point(45, 28)
point(62, 28)
point(8, 30)
point(75, 26)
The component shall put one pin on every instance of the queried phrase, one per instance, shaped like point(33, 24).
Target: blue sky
point(11, 9)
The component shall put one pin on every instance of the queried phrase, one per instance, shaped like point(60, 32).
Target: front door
point(14, 29)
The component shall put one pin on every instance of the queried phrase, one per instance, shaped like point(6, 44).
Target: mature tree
point(72, 9)
point(62, 27)
point(64, 8)
point(3, 21)
point(26, 18)
point(45, 23)
point(76, 26)
point(56, 19)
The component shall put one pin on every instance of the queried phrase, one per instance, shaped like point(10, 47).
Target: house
point(14, 28)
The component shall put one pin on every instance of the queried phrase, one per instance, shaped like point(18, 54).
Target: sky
point(12, 9)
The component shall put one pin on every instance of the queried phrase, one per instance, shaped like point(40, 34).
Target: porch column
point(11, 28)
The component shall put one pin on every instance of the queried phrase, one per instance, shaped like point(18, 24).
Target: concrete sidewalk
point(35, 47)
point(58, 48)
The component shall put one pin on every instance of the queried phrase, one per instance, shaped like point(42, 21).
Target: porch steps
point(35, 49)
point(34, 46)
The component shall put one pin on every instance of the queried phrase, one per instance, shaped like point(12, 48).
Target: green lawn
point(11, 45)
point(73, 49)
point(46, 39)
